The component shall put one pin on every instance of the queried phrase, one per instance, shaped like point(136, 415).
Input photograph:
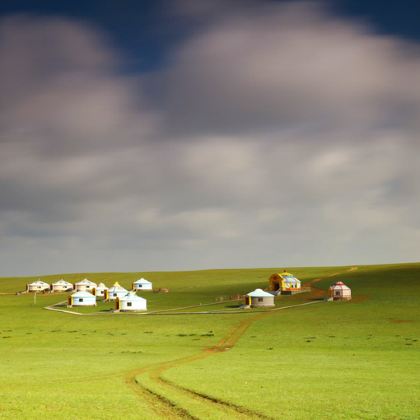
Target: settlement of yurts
point(87, 293)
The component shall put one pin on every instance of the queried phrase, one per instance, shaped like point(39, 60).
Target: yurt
point(84, 285)
point(38, 286)
point(99, 291)
point(284, 283)
point(81, 299)
point(259, 298)
point(142, 284)
point(61, 286)
point(114, 292)
point(339, 291)
point(130, 302)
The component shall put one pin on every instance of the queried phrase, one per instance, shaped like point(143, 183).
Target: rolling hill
point(306, 359)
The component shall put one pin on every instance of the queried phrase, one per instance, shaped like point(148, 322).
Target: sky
point(170, 135)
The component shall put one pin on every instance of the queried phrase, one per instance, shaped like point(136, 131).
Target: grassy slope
point(363, 359)
point(335, 360)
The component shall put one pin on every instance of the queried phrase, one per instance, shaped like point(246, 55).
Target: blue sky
point(184, 135)
point(149, 28)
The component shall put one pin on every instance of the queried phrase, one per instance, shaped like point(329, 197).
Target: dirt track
point(161, 394)
point(149, 380)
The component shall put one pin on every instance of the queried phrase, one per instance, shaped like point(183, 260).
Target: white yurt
point(114, 292)
point(259, 298)
point(339, 291)
point(84, 285)
point(37, 286)
point(61, 286)
point(99, 291)
point(82, 299)
point(131, 302)
point(142, 284)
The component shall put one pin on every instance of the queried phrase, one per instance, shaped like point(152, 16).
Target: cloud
point(285, 66)
point(276, 135)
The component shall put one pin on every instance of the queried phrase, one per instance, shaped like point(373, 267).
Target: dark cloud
point(276, 135)
point(284, 66)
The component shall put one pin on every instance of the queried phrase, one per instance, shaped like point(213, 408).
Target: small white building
point(61, 286)
point(259, 298)
point(339, 291)
point(100, 290)
point(82, 299)
point(130, 302)
point(85, 285)
point(114, 292)
point(38, 286)
point(142, 284)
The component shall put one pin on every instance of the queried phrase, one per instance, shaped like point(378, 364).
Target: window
point(337, 293)
point(260, 299)
point(81, 300)
point(129, 304)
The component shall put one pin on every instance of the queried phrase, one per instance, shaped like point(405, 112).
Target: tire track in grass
point(226, 343)
point(194, 404)
point(198, 403)
point(160, 405)
point(168, 388)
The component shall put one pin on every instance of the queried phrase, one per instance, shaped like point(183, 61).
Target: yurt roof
point(85, 281)
point(40, 282)
point(62, 281)
point(131, 296)
point(83, 295)
point(117, 287)
point(142, 281)
point(259, 293)
point(102, 286)
point(339, 285)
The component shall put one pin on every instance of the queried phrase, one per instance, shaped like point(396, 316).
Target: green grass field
point(359, 359)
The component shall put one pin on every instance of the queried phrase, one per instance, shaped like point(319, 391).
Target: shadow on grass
point(316, 298)
point(59, 305)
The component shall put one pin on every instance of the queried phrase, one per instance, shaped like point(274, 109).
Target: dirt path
point(317, 292)
point(160, 405)
point(53, 308)
point(150, 379)
point(182, 402)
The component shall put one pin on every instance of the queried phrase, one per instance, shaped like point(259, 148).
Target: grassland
point(330, 360)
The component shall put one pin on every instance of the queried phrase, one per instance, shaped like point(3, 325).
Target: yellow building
point(284, 283)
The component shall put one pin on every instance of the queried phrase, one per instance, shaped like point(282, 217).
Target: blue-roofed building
point(284, 283)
